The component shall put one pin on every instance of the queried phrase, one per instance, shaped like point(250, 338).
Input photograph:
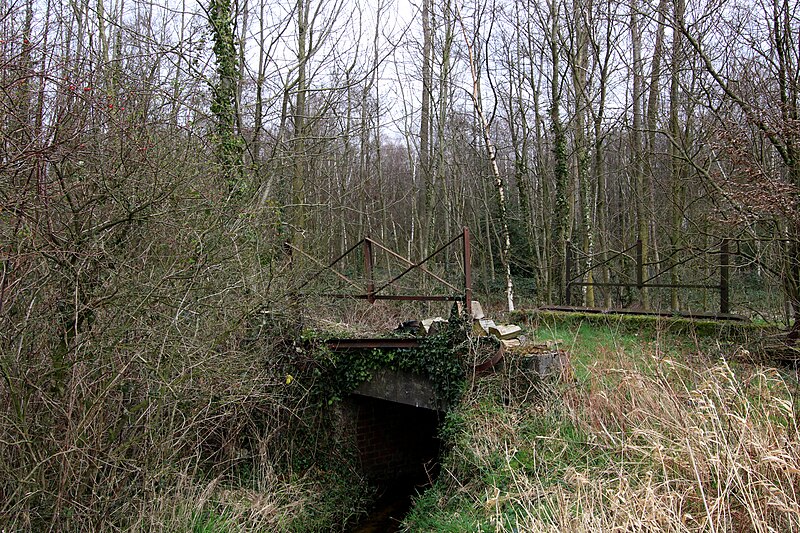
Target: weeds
point(642, 441)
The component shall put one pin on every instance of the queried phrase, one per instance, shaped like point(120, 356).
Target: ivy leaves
point(439, 357)
point(229, 146)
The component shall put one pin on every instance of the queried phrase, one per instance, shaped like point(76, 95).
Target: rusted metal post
point(724, 279)
point(568, 278)
point(368, 270)
point(467, 273)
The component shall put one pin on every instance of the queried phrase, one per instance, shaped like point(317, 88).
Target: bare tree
point(765, 88)
point(499, 182)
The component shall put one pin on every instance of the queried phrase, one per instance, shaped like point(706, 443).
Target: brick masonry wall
point(393, 440)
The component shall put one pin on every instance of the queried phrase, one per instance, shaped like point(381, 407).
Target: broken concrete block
point(409, 326)
point(431, 326)
point(477, 310)
point(480, 327)
point(510, 343)
point(548, 364)
point(510, 331)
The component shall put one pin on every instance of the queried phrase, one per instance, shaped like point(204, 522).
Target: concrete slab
point(402, 387)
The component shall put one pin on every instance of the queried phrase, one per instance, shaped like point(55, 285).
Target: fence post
point(368, 270)
point(724, 279)
point(467, 273)
point(568, 279)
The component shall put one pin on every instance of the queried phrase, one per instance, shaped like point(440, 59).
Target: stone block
point(510, 331)
point(544, 365)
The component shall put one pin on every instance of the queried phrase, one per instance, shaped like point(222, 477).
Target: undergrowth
point(143, 385)
point(654, 433)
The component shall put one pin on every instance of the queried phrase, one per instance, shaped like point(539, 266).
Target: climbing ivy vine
point(439, 357)
point(229, 146)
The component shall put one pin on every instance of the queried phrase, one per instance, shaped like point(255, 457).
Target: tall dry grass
point(131, 443)
point(642, 443)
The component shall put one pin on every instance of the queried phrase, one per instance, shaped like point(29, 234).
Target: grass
point(314, 501)
point(222, 445)
point(650, 431)
point(643, 323)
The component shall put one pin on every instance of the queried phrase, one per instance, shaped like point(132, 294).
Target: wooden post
point(368, 263)
point(467, 273)
point(724, 279)
point(568, 279)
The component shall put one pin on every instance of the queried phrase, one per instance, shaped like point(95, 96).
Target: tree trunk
point(641, 191)
point(425, 119)
point(299, 176)
point(579, 68)
point(499, 184)
point(677, 165)
point(561, 214)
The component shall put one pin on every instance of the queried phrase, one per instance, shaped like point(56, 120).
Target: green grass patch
point(432, 514)
point(210, 521)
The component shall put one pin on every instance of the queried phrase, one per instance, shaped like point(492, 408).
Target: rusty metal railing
point(372, 293)
point(641, 283)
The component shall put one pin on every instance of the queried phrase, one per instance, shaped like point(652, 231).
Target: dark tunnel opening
point(399, 447)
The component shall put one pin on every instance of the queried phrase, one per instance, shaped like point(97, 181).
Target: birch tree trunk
point(499, 183)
